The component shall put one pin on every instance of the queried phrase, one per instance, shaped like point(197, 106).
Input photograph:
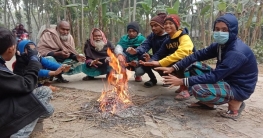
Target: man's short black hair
point(7, 39)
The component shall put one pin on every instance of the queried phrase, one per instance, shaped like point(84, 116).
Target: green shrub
point(258, 50)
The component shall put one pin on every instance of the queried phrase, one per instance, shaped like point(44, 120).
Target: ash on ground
point(133, 116)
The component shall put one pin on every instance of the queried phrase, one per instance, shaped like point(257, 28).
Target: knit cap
point(134, 26)
point(159, 19)
point(173, 18)
point(22, 45)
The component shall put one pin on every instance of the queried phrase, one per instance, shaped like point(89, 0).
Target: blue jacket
point(153, 42)
point(236, 64)
point(46, 64)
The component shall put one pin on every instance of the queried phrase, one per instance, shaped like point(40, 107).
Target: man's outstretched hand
point(172, 80)
point(81, 58)
point(131, 51)
point(166, 70)
point(152, 63)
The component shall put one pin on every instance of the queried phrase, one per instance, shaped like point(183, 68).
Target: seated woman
point(173, 50)
point(131, 40)
point(50, 68)
point(96, 55)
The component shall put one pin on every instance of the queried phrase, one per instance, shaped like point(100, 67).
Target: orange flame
point(118, 79)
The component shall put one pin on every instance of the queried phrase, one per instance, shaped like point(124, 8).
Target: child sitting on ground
point(49, 69)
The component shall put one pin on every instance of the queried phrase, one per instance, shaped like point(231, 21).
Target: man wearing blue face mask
point(232, 81)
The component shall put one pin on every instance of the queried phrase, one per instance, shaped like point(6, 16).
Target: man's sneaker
point(138, 78)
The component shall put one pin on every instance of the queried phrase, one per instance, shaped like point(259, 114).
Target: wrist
point(51, 73)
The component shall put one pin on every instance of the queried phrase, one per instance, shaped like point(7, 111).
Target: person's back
point(21, 104)
point(246, 73)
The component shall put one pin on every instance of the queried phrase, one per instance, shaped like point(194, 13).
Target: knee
point(195, 90)
point(139, 71)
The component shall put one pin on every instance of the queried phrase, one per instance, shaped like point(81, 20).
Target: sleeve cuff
point(175, 67)
point(186, 81)
point(51, 54)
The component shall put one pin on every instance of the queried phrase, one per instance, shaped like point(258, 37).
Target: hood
point(232, 23)
point(22, 44)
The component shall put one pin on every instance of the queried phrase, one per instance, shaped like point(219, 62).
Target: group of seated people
point(172, 55)
point(19, 30)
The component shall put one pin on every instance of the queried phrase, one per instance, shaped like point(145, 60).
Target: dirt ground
point(177, 121)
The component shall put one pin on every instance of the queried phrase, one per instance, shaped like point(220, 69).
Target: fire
point(118, 97)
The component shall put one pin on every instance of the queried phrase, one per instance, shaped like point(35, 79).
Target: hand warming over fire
point(133, 63)
point(152, 63)
point(146, 57)
point(121, 58)
point(131, 51)
point(66, 68)
point(166, 70)
point(95, 62)
point(172, 80)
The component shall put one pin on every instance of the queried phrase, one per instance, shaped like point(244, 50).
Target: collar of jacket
point(176, 34)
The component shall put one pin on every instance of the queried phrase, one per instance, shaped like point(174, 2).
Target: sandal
point(183, 95)
point(166, 85)
point(61, 80)
point(150, 83)
point(234, 114)
point(178, 90)
point(201, 105)
point(86, 78)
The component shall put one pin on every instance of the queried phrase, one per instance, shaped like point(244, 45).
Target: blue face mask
point(221, 37)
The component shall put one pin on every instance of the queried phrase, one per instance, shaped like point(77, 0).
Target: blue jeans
point(43, 94)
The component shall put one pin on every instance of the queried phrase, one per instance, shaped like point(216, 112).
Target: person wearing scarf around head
point(173, 50)
point(58, 45)
point(133, 39)
point(234, 78)
point(96, 55)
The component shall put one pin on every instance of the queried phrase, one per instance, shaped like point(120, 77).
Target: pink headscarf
point(104, 39)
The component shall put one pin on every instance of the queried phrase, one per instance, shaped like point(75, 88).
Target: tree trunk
point(255, 35)
point(77, 25)
point(134, 11)
point(9, 10)
point(210, 21)
point(5, 13)
point(34, 17)
point(123, 14)
point(112, 27)
point(64, 10)
point(129, 10)
point(82, 26)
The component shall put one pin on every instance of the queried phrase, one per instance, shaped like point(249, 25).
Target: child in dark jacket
point(153, 42)
point(49, 68)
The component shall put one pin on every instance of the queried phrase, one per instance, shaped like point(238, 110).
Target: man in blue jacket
point(234, 78)
point(154, 42)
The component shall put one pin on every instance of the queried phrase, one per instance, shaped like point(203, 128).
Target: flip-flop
point(183, 94)
point(201, 106)
point(178, 90)
point(229, 113)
